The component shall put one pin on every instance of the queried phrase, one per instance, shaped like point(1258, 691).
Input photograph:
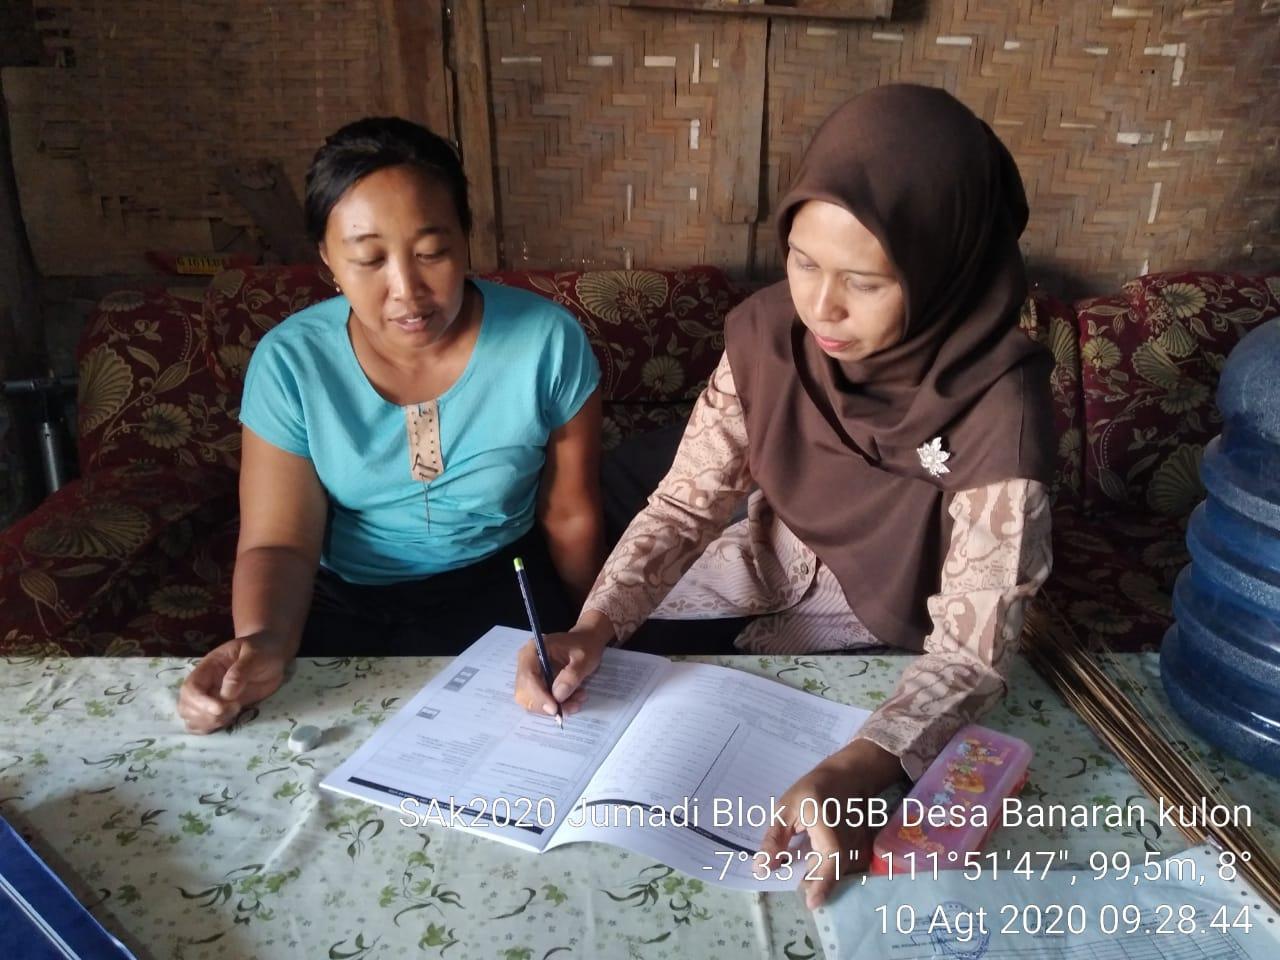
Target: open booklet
point(683, 762)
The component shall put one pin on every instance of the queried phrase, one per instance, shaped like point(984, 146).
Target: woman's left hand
point(841, 844)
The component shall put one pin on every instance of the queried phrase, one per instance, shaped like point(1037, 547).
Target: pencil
point(539, 641)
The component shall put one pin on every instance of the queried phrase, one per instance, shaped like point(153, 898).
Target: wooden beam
point(22, 346)
point(738, 133)
point(414, 82)
point(23, 352)
point(476, 131)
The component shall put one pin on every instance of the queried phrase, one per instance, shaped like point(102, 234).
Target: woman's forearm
point(708, 478)
point(576, 545)
point(271, 593)
point(877, 769)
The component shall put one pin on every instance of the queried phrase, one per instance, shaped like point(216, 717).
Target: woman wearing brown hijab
point(894, 423)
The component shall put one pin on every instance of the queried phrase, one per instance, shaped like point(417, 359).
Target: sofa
point(134, 557)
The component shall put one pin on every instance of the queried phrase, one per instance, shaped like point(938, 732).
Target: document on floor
point(683, 762)
point(1195, 906)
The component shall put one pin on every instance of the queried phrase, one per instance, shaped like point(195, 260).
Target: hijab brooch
point(933, 458)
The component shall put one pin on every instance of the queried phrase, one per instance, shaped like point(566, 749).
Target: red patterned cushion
point(174, 599)
point(1051, 322)
point(145, 393)
point(1113, 576)
point(622, 420)
point(658, 334)
point(241, 305)
point(1151, 361)
point(58, 564)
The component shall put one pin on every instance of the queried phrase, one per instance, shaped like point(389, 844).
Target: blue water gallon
point(1220, 661)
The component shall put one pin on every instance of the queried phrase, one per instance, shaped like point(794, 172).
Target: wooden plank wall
point(737, 132)
point(476, 133)
point(414, 82)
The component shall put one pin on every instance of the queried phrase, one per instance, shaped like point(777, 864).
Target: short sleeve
point(272, 403)
point(575, 373)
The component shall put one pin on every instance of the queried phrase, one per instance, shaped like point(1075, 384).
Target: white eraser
point(304, 738)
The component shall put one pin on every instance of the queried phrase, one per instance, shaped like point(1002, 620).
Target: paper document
point(679, 761)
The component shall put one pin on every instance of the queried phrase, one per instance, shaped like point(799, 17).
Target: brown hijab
point(834, 445)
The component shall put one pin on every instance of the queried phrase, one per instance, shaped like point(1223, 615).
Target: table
point(224, 846)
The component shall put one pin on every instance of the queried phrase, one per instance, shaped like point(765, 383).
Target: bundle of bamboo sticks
point(1144, 741)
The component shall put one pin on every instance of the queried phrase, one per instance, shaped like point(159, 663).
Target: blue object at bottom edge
point(40, 918)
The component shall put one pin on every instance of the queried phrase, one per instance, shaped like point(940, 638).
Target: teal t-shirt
point(305, 392)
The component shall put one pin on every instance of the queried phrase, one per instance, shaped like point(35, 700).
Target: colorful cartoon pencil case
point(955, 805)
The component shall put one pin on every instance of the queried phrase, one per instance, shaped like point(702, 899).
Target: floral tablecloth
point(224, 846)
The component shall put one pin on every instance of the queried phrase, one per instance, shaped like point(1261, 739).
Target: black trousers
point(436, 616)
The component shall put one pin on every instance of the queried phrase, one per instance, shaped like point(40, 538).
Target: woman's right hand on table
point(230, 677)
point(574, 657)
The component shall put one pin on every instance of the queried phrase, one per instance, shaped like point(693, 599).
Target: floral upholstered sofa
point(1147, 360)
point(135, 556)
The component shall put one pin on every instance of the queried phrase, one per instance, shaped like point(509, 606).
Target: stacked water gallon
point(1221, 659)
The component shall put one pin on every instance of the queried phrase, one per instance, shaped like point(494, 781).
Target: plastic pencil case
point(955, 805)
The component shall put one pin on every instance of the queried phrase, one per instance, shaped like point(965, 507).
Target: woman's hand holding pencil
point(574, 656)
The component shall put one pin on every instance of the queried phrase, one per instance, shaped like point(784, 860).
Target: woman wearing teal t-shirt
point(403, 440)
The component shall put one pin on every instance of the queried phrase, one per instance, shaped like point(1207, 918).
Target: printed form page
point(463, 753)
point(693, 780)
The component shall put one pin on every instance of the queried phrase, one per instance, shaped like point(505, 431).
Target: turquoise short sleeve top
point(530, 372)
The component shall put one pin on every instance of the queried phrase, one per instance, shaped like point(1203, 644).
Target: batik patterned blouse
point(678, 560)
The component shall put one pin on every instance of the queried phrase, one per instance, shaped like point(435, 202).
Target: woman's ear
point(324, 258)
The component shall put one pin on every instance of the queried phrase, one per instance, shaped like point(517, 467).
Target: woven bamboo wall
point(1148, 135)
point(600, 120)
point(145, 99)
